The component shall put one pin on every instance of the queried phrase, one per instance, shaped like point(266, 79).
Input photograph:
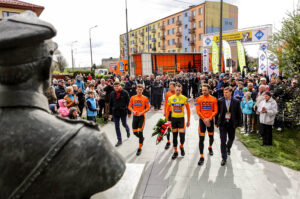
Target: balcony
point(192, 43)
point(192, 31)
point(162, 28)
point(191, 19)
point(153, 31)
point(178, 23)
point(142, 42)
point(178, 34)
point(154, 49)
point(142, 33)
point(163, 47)
point(178, 45)
point(135, 36)
point(154, 40)
point(163, 37)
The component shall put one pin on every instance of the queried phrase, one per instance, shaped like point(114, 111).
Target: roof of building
point(21, 5)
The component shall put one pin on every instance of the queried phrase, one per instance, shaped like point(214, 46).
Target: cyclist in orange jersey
point(207, 109)
point(139, 105)
point(169, 94)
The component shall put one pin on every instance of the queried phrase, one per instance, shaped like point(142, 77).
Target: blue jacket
point(91, 107)
point(219, 91)
point(238, 92)
point(80, 84)
point(247, 107)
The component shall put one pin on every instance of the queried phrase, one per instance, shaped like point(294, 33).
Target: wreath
point(161, 129)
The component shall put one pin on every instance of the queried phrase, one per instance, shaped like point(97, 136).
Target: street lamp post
point(91, 51)
point(72, 54)
point(128, 58)
point(221, 36)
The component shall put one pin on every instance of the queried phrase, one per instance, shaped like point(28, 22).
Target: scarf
point(118, 93)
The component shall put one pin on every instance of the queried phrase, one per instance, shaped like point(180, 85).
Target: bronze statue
point(43, 156)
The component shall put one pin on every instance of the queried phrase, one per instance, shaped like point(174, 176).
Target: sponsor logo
point(207, 41)
point(262, 67)
point(274, 75)
point(177, 110)
point(263, 47)
point(177, 105)
point(262, 57)
point(273, 66)
point(206, 107)
point(259, 34)
point(272, 57)
point(137, 104)
point(174, 100)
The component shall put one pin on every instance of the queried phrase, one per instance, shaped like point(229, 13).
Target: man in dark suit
point(228, 119)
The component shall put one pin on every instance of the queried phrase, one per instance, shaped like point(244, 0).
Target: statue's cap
point(24, 29)
point(26, 38)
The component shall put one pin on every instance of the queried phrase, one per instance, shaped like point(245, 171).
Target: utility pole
point(128, 58)
point(72, 54)
point(91, 51)
point(221, 36)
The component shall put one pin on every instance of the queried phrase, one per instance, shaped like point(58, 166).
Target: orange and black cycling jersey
point(207, 107)
point(168, 94)
point(139, 104)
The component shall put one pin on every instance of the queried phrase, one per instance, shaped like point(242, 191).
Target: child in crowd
point(247, 105)
point(91, 106)
point(73, 114)
point(63, 110)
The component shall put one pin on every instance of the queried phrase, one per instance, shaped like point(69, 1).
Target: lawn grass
point(100, 121)
point(285, 150)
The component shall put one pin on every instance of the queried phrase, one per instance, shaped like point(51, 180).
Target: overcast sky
point(73, 18)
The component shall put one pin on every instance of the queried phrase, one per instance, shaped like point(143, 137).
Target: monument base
point(126, 188)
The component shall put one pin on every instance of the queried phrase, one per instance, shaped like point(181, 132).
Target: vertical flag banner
point(215, 57)
point(241, 54)
point(273, 68)
point(262, 62)
point(227, 54)
point(205, 60)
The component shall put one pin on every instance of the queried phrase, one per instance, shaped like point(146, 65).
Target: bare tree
point(61, 62)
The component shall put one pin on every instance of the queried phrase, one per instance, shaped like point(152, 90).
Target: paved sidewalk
point(244, 176)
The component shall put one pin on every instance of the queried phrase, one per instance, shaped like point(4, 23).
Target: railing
point(162, 27)
point(142, 33)
point(191, 18)
point(163, 37)
point(154, 40)
point(178, 34)
point(153, 30)
point(192, 31)
point(192, 43)
point(178, 23)
point(178, 45)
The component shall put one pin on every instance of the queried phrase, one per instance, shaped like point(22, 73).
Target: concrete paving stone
point(156, 190)
point(178, 188)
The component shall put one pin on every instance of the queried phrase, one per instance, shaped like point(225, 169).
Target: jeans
point(247, 123)
point(117, 126)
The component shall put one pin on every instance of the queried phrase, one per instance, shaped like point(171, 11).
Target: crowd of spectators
point(266, 103)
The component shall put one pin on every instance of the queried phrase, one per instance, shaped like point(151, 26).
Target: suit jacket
point(235, 110)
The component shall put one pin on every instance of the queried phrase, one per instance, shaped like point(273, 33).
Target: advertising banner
point(215, 57)
point(227, 55)
point(244, 36)
point(205, 60)
point(241, 54)
point(262, 62)
point(261, 34)
point(273, 68)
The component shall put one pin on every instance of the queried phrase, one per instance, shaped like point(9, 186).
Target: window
point(164, 23)
point(132, 34)
point(158, 25)
point(158, 44)
point(186, 38)
point(200, 24)
point(185, 50)
point(132, 42)
point(173, 31)
point(194, 38)
point(200, 11)
point(186, 14)
point(200, 37)
point(194, 25)
point(6, 14)
point(179, 18)
point(194, 13)
point(194, 50)
point(185, 26)
point(149, 37)
point(173, 20)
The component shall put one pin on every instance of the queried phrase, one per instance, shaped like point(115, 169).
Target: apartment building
point(12, 7)
point(180, 32)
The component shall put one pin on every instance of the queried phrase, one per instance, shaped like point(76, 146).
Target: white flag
point(227, 55)
point(263, 62)
point(273, 68)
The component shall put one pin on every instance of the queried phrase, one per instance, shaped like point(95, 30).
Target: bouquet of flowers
point(161, 129)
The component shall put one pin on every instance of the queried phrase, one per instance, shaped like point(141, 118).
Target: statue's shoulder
point(85, 123)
